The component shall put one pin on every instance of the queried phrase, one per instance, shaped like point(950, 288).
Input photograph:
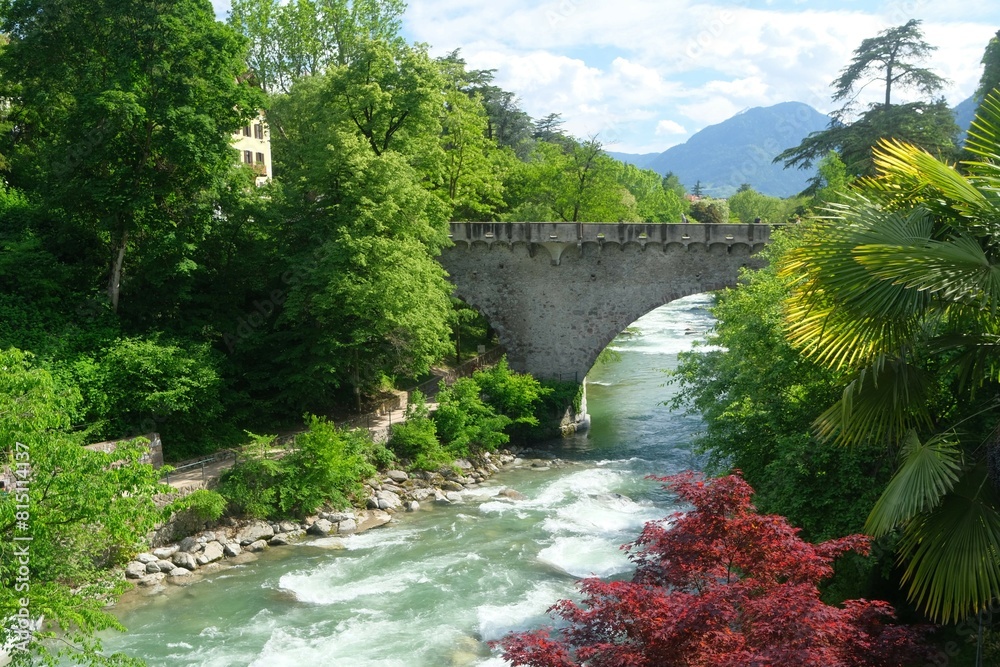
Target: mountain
point(739, 150)
point(965, 112)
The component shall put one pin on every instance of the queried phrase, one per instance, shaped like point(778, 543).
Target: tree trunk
point(115, 275)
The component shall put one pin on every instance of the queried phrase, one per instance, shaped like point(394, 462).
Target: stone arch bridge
point(558, 293)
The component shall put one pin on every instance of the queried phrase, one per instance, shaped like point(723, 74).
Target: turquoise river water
point(433, 588)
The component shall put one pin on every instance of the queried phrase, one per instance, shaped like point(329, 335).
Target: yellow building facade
point(253, 141)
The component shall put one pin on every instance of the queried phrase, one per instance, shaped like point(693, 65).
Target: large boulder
point(321, 527)
point(146, 558)
point(191, 545)
point(387, 500)
point(135, 570)
point(373, 519)
point(512, 494)
point(164, 565)
point(451, 485)
point(164, 553)
point(258, 530)
point(259, 545)
point(213, 552)
point(397, 476)
point(232, 549)
point(347, 526)
point(185, 560)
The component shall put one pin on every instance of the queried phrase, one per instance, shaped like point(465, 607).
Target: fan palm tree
point(898, 288)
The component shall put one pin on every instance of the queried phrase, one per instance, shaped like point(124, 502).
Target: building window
point(258, 131)
point(246, 130)
point(248, 157)
point(260, 158)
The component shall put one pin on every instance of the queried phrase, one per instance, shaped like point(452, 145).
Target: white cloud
point(613, 68)
point(667, 127)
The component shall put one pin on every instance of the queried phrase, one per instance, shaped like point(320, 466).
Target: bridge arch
point(558, 293)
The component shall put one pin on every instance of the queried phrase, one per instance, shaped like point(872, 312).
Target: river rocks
point(183, 559)
point(135, 570)
point(191, 544)
point(259, 545)
point(387, 500)
point(256, 531)
point(397, 476)
point(163, 553)
point(213, 552)
point(152, 580)
point(238, 541)
point(372, 519)
point(321, 528)
point(512, 494)
point(422, 494)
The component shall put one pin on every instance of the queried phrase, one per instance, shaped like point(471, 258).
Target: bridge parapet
point(754, 236)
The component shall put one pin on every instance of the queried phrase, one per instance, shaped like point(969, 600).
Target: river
point(432, 589)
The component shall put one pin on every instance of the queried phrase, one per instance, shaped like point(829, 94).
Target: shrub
point(721, 584)
point(203, 505)
point(418, 433)
point(465, 423)
point(515, 395)
point(327, 466)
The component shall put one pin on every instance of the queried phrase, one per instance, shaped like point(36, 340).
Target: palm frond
point(953, 270)
point(976, 357)
point(910, 174)
point(839, 312)
point(952, 552)
point(927, 472)
point(884, 401)
point(983, 139)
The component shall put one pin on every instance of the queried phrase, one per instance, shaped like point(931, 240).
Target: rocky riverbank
point(232, 542)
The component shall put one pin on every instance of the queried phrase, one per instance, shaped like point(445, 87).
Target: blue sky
point(644, 75)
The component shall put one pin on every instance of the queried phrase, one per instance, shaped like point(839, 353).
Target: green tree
point(126, 123)
point(899, 292)
point(892, 59)
point(749, 205)
point(758, 398)
point(302, 38)
point(710, 211)
point(83, 511)
point(655, 202)
point(570, 182)
point(365, 295)
point(466, 424)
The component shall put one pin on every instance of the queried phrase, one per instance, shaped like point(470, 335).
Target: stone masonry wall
point(558, 293)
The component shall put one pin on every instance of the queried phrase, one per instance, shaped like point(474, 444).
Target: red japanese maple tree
point(720, 586)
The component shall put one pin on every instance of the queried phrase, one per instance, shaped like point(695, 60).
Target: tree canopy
point(891, 58)
point(720, 585)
